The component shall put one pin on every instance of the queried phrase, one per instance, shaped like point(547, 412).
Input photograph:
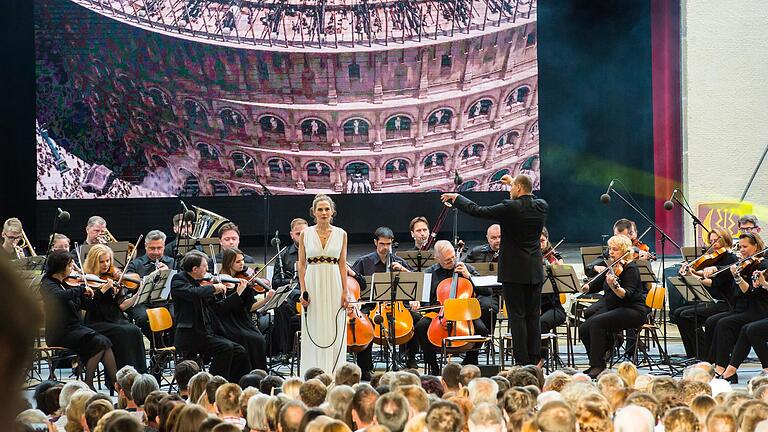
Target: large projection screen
point(164, 98)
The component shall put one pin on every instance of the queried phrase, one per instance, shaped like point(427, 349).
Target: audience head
point(721, 419)
point(184, 372)
point(483, 390)
point(681, 419)
point(392, 411)
point(633, 418)
point(210, 389)
point(190, 418)
point(94, 411)
point(361, 409)
point(628, 372)
point(256, 418)
point(290, 416)
point(444, 416)
point(312, 392)
point(451, 376)
point(750, 414)
point(555, 416)
point(143, 385)
point(270, 384)
point(251, 380)
point(76, 409)
point(348, 374)
point(46, 397)
point(418, 400)
point(197, 385)
point(337, 401)
point(468, 373)
point(486, 418)
point(227, 398)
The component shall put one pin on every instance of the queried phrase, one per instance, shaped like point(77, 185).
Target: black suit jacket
point(522, 221)
point(194, 319)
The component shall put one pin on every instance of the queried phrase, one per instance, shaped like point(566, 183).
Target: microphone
point(457, 180)
point(189, 216)
point(305, 297)
point(606, 197)
point(378, 319)
point(62, 215)
point(668, 204)
point(276, 240)
point(239, 173)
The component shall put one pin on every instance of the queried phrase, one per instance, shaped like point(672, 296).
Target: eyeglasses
point(747, 229)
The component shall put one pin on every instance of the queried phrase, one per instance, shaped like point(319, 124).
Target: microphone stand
point(695, 220)
point(663, 237)
point(265, 195)
point(394, 283)
point(50, 245)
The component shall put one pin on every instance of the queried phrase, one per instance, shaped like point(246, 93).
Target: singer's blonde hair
point(318, 199)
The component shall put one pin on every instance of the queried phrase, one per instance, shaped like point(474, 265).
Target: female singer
point(105, 313)
point(62, 318)
point(754, 303)
point(234, 311)
point(552, 312)
point(322, 268)
point(622, 306)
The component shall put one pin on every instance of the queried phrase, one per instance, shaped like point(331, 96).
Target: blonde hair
point(417, 424)
point(228, 398)
point(701, 405)
point(190, 418)
point(197, 385)
point(91, 264)
point(76, 409)
point(623, 243)
point(12, 224)
point(291, 387)
point(318, 199)
point(628, 372)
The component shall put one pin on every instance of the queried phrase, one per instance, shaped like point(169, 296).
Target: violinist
point(691, 318)
point(751, 305)
point(444, 268)
point(622, 227)
point(195, 320)
point(105, 312)
point(622, 306)
point(153, 260)
point(488, 252)
point(419, 228)
point(748, 224)
point(63, 322)
point(12, 230)
point(552, 311)
point(376, 262)
point(234, 311)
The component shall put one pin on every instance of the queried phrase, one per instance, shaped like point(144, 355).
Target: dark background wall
point(595, 125)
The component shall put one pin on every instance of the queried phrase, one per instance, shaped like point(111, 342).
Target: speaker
point(488, 371)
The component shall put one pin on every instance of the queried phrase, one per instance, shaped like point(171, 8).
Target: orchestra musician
point(195, 320)
point(552, 311)
point(105, 311)
point(444, 268)
point(182, 231)
point(235, 310)
point(12, 230)
point(376, 262)
point(622, 306)
point(622, 227)
point(95, 230)
point(229, 236)
point(691, 318)
point(488, 252)
point(419, 228)
point(63, 322)
point(286, 319)
point(60, 242)
point(152, 260)
point(749, 224)
point(521, 274)
point(289, 256)
point(750, 305)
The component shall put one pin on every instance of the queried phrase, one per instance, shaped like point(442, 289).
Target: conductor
point(521, 274)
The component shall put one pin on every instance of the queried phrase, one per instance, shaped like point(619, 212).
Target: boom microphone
point(62, 215)
point(606, 197)
point(668, 204)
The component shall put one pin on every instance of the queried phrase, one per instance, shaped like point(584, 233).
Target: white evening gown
point(323, 344)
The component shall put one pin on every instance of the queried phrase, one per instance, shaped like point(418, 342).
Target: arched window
point(232, 119)
point(398, 126)
point(531, 168)
point(480, 108)
point(439, 120)
point(244, 162)
point(159, 98)
point(272, 125)
point(396, 168)
point(354, 72)
point(318, 171)
point(279, 168)
point(175, 141)
point(472, 153)
point(356, 131)
point(358, 175)
point(207, 152)
point(314, 130)
point(196, 114)
point(534, 128)
point(247, 192)
point(468, 185)
point(191, 187)
point(143, 125)
point(496, 178)
point(518, 96)
point(435, 161)
point(507, 141)
point(219, 187)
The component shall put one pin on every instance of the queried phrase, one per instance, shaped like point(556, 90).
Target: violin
point(550, 253)
point(640, 246)
point(745, 265)
point(453, 288)
point(708, 259)
point(619, 263)
point(253, 282)
point(359, 327)
point(76, 279)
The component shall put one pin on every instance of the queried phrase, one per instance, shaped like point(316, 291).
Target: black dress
point(234, 322)
point(103, 314)
point(63, 325)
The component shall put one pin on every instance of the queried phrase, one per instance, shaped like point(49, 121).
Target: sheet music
point(427, 287)
point(486, 281)
point(270, 272)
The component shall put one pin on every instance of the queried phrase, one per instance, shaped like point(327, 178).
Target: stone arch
point(356, 130)
point(518, 96)
point(436, 161)
point(398, 126)
point(314, 129)
point(279, 168)
point(481, 108)
point(218, 187)
point(471, 153)
point(159, 97)
point(272, 125)
point(507, 141)
point(468, 185)
point(358, 174)
point(231, 118)
point(440, 119)
point(397, 168)
point(191, 186)
point(176, 141)
point(195, 112)
point(245, 162)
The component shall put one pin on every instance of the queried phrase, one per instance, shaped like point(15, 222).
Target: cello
point(401, 317)
point(454, 288)
point(359, 327)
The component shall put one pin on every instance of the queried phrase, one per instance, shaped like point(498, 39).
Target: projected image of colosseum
point(226, 97)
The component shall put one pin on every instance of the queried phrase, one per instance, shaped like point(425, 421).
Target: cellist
point(376, 262)
point(444, 268)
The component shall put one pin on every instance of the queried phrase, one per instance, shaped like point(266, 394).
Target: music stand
point(486, 268)
point(561, 279)
point(34, 263)
point(646, 272)
point(690, 253)
point(281, 295)
point(589, 254)
point(396, 286)
point(692, 290)
point(417, 259)
point(187, 244)
point(156, 288)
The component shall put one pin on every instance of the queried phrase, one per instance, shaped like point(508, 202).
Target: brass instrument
point(24, 247)
point(207, 223)
point(106, 237)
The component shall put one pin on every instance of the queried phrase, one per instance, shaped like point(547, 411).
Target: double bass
point(454, 288)
point(359, 327)
point(402, 320)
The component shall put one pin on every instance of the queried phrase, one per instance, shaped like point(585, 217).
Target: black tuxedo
point(520, 265)
point(196, 329)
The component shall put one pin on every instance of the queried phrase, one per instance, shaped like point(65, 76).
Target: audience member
point(444, 416)
point(348, 374)
point(184, 372)
point(392, 411)
point(633, 418)
point(228, 404)
point(257, 419)
point(486, 417)
point(290, 416)
point(312, 392)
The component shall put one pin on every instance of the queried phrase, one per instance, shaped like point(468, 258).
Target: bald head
point(493, 235)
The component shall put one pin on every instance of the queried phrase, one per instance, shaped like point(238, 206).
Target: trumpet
point(24, 248)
